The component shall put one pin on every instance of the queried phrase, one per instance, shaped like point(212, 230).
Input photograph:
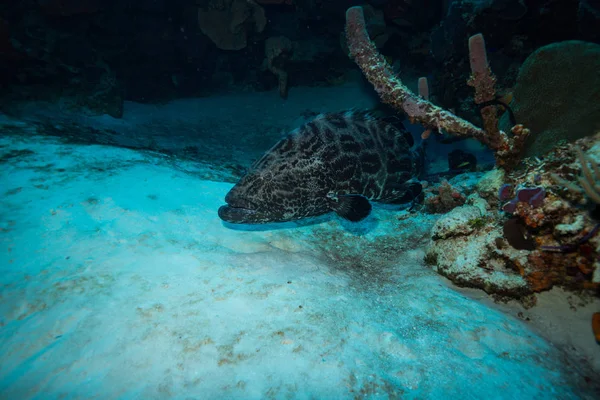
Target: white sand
point(119, 281)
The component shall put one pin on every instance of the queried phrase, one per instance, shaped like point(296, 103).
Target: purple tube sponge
point(533, 196)
point(505, 192)
point(511, 206)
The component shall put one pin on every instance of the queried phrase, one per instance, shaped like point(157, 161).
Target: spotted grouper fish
point(337, 162)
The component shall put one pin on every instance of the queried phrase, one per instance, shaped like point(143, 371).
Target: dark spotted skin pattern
point(333, 155)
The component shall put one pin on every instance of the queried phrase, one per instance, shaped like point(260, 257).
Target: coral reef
point(540, 231)
point(588, 180)
point(443, 198)
point(464, 248)
point(513, 28)
point(392, 91)
point(557, 94)
point(490, 184)
point(532, 196)
point(534, 238)
point(484, 82)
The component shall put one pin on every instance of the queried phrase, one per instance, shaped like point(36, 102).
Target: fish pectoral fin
point(352, 207)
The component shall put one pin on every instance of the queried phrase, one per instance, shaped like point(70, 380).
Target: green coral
point(479, 222)
point(557, 95)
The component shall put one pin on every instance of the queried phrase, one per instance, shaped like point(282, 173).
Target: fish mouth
point(239, 209)
point(236, 215)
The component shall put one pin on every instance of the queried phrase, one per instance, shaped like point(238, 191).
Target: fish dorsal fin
point(398, 123)
point(352, 207)
point(408, 137)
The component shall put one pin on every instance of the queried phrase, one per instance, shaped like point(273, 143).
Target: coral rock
point(475, 261)
point(553, 73)
point(456, 222)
